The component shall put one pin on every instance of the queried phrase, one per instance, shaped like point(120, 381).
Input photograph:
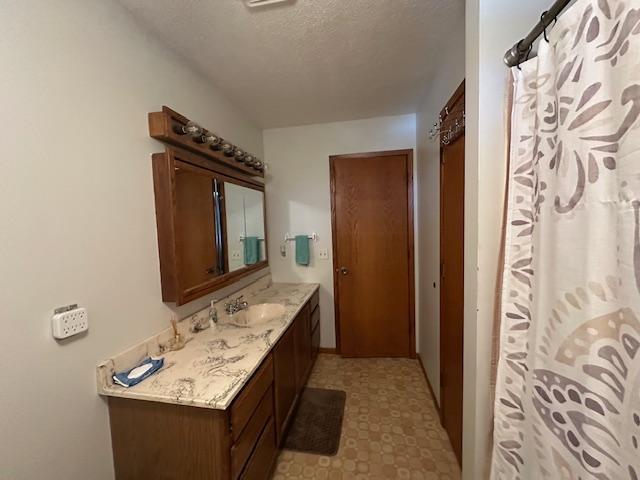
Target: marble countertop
point(215, 364)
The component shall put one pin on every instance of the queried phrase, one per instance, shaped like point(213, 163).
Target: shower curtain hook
point(526, 57)
point(518, 50)
point(544, 32)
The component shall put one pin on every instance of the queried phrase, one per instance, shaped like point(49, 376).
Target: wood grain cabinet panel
point(315, 318)
point(242, 448)
point(284, 376)
point(251, 395)
point(314, 300)
point(160, 441)
point(261, 462)
point(315, 336)
point(195, 227)
point(302, 328)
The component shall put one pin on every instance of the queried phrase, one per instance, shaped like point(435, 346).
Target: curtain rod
point(520, 50)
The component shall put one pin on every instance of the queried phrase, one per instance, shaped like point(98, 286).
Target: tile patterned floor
point(390, 431)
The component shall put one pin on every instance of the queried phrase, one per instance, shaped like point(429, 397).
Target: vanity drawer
point(314, 300)
point(243, 447)
point(250, 397)
point(260, 464)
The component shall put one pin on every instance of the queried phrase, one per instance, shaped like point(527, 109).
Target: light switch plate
point(323, 253)
point(69, 321)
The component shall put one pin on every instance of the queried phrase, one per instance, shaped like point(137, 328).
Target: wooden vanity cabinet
point(154, 440)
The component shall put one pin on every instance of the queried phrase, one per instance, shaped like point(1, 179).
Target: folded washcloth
point(302, 250)
point(132, 377)
point(251, 250)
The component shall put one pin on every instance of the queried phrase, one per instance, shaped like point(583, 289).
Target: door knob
point(343, 270)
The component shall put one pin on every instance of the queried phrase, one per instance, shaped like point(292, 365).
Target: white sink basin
point(257, 314)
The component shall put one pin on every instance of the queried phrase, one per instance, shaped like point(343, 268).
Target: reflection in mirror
point(244, 209)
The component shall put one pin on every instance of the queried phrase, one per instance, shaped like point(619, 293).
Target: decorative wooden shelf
point(162, 127)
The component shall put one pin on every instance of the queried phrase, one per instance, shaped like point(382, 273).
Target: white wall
point(449, 76)
point(78, 221)
point(298, 196)
point(492, 27)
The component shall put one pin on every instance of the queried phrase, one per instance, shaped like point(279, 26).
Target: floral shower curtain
point(567, 403)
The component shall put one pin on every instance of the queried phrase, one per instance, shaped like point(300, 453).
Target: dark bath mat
point(317, 423)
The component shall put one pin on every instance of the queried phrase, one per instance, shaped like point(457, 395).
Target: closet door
point(452, 275)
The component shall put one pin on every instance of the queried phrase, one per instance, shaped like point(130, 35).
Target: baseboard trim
point(332, 351)
point(433, 395)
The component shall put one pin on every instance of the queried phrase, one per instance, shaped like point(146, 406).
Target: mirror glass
point(245, 233)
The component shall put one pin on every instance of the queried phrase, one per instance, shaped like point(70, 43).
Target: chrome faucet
point(234, 306)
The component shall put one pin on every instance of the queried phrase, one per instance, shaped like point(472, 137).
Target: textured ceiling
point(310, 61)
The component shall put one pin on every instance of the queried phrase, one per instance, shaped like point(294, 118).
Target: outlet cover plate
point(67, 322)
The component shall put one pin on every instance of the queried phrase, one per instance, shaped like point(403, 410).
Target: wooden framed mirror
point(211, 224)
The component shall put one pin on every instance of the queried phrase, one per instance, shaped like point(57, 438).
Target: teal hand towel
point(251, 250)
point(302, 250)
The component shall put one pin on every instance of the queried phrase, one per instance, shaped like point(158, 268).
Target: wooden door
point(372, 220)
point(452, 275)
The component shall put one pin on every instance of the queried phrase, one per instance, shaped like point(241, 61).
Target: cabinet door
point(303, 347)
point(195, 226)
point(315, 335)
point(284, 364)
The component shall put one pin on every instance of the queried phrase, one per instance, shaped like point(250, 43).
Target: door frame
point(408, 153)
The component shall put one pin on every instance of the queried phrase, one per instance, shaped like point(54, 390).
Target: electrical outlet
point(235, 254)
point(323, 254)
point(69, 321)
